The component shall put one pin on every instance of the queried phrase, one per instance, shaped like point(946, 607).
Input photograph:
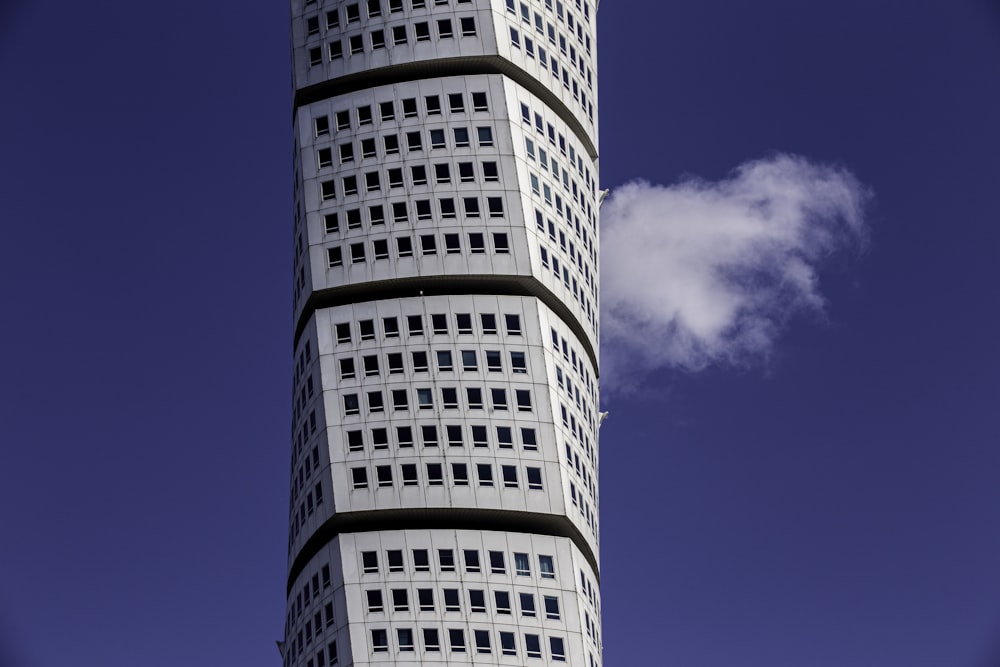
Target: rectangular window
point(380, 641)
point(534, 478)
point(431, 642)
point(557, 648)
point(546, 567)
point(471, 557)
point(435, 475)
point(444, 29)
point(468, 24)
point(509, 474)
point(532, 646)
point(425, 599)
point(552, 607)
point(369, 562)
point(527, 604)
point(460, 474)
point(498, 396)
point(446, 560)
point(485, 473)
point(522, 565)
point(456, 638)
point(502, 599)
point(421, 563)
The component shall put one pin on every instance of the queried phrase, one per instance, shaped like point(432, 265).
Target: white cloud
point(701, 273)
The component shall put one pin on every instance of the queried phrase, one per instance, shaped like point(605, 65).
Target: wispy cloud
point(707, 273)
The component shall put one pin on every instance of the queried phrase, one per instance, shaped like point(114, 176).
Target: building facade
point(444, 501)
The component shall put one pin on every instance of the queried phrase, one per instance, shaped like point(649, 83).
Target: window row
point(358, 253)
point(422, 209)
point(364, 115)
point(470, 361)
point(398, 35)
point(496, 561)
point(409, 476)
point(437, 139)
point(557, 139)
point(378, 437)
point(438, 325)
point(451, 600)
point(372, 181)
point(373, 9)
point(507, 643)
point(400, 399)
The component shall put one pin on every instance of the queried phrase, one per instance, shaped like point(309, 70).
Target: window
point(468, 24)
point(471, 207)
point(485, 135)
point(552, 607)
point(418, 173)
point(380, 641)
point(456, 104)
point(380, 438)
point(454, 432)
point(433, 105)
point(528, 440)
point(419, 362)
point(464, 323)
point(482, 641)
point(557, 648)
point(497, 565)
point(324, 157)
point(384, 476)
point(469, 361)
point(509, 474)
point(502, 599)
point(409, 471)
point(444, 360)
point(437, 138)
point(460, 473)
point(451, 600)
point(498, 396)
point(546, 567)
point(485, 473)
point(435, 475)
point(442, 174)
point(335, 50)
point(343, 120)
point(404, 246)
point(527, 604)
point(315, 57)
point(414, 142)
point(428, 244)
point(350, 185)
point(474, 396)
point(466, 172)
point(331, 223)
point(456, 637)
point(404, 436)
point(354, 218)
point(446, 560)
point(513, 324)
point(493, 362)
point(523, 398)
point(452, 244)
point(374, 599)
point(431, 642)
point(447, 207)
point(409, 107)
point(534, 478)
point(444, 29)
point(477, 601)
point(422, 31)
point(500, 244)
point(369, 362)
point(429, 435)
point(399, 207)
point(532, 646)
point(372, 182)
point(353, 13)
point(327, 190)
point(334, 257)
point(517, 362)
point(477, 245)
point(425, 399)
point(359, 478)
point(479, 102)
point(425, 599)
point(507, 646)
point(490, 171)
point(378, 39)
point(399, 399)
point(471, 560)
point(423, 209)
point(495, 206)
point(405, 637)
point(355, 441)
point(399, 34)
point(351, 404)
point(420, 561)
point(369, 562)
point(489, 323)
point(322, 126)
point(449, 397)
point(522, 565)
point(356, 44)
point(395, 559)
point(400, 601)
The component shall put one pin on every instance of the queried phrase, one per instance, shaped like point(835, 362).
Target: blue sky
point(831, 503)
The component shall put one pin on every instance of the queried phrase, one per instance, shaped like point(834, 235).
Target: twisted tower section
point(445, 304)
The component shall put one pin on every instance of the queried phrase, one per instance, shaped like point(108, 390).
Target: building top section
point(548, 46)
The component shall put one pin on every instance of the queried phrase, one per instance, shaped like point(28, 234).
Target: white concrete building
point(444, 501)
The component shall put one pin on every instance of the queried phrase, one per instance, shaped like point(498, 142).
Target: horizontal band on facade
point(442, 67)
point(505, 521)
point(446, 285)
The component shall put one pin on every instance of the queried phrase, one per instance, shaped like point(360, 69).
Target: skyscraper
point(444, 462)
